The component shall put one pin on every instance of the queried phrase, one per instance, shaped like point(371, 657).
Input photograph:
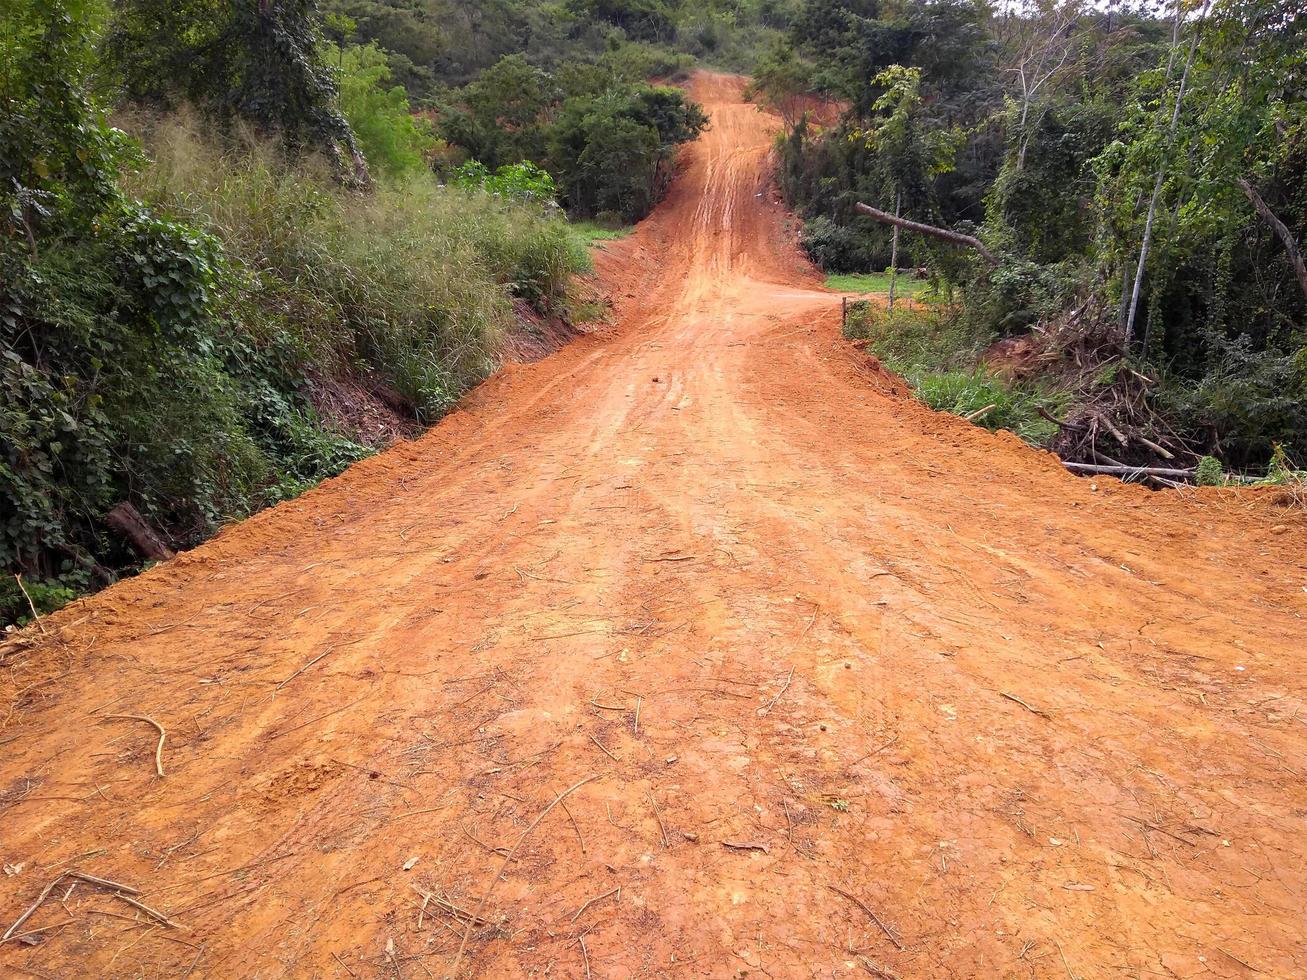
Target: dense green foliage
point(563, 86)
point(438, 43)
point(607, 141)
point(171, 307)
point(1072, 140)
point(257, 61)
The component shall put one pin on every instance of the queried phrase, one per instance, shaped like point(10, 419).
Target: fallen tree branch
point(145, 540)
point(1161, 451)
point(943, 234)
point(1048, 416)
point(1129, 470)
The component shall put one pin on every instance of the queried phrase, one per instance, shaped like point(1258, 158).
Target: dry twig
point(772, 703)
point(158, 749)
point(874, 917)
point(467, 933)
point(1035, 711)
point(659, 817)
point(36, 617)
point(598, 898)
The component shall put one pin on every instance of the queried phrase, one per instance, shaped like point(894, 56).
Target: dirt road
point(857, 687)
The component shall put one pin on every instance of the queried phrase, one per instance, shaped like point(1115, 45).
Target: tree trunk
point(145, 540)
point(1161, 168)
point(943, 234)
point(894, 251)
point(1280, 229)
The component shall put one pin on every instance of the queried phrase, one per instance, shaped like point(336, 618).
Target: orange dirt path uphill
point(856, 687)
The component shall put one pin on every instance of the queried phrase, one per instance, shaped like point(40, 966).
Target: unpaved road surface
point(822, 654)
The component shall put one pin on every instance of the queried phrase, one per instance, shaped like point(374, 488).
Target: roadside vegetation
point(939, 354)
point(190, 288)
point(1122, 195)
point(905, 284)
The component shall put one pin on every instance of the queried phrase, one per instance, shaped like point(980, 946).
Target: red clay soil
point(857, 688)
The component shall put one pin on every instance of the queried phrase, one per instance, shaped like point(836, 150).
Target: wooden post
point(844, 313)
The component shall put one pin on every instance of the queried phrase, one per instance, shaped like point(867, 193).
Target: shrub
point(159, 347)
point(841, 248)
point(519, 181)
point(1209, 472)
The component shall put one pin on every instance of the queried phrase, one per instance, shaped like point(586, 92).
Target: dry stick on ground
point(36, 618)
point(158, 749)
point(1129, 470)
point(659, 817)
point(305, 667)
point(106, 882)
point(33, 932)
point(31, 909)
point(598, 898)
point(459, 914)
point(585, 956)
point(973, 416)
point(120, 891)
point(580, 840)
point(874, 917)
point(333, 711)
point(1035, 711)
point(772, 703)
point(467, 933)
point(601, 746)
point(151, 912)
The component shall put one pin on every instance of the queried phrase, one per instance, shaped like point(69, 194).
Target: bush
point(840, 248)
point(159, 348)
point(1247, 402)
point(1209, 472)
point(46, 596)
point(519, 181)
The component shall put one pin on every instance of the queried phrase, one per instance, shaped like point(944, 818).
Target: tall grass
point(411, 280)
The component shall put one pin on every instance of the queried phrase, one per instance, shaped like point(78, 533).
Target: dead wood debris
point(467, 933)
point(158, 749)
point(115, 888)
point(866, 908)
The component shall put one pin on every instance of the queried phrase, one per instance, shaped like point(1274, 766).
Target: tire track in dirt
point(1039, 728)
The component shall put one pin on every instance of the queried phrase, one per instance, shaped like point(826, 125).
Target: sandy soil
point(856, 687)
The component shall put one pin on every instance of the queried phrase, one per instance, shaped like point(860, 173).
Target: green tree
point(260, 61)
point(391, 137)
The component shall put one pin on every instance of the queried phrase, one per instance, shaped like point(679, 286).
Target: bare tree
point(1041, 56)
